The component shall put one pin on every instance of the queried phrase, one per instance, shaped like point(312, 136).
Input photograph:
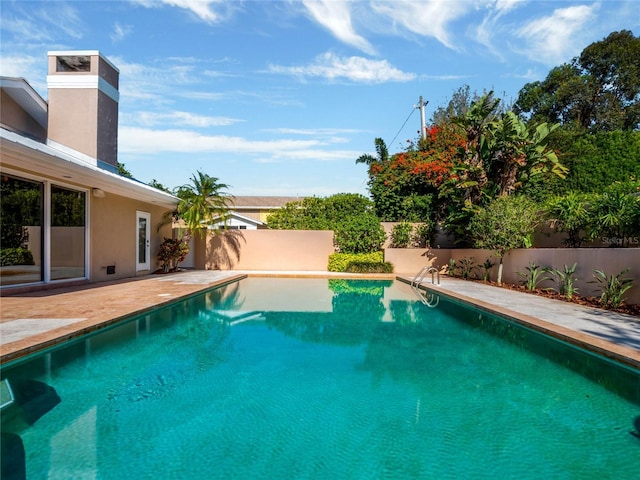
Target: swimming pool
point(316, 378)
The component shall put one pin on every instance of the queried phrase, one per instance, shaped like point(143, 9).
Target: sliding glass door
point(21, 232)
point(68, 220)
point(43, 231)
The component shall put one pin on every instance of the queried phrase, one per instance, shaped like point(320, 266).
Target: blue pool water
point(319, 379)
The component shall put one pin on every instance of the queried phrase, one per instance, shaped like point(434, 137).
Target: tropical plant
point(499, 154)
point(452, 268)
point(422, 234)
point(565, 279)
point(612, 287)
point(506, 223)
point(404, 186)
point(203, 203)
point(486, 269)
point(475, 123)
point(466, 266)
point(517, 152)
point(381, 151)
point(401, 235)
point(614, 214)
point(172, 252)
point(534, 275)
point(570, 214)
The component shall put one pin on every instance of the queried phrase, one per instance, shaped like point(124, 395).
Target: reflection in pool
point(316, 378)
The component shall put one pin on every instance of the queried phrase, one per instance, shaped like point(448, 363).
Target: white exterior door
point(143, 241)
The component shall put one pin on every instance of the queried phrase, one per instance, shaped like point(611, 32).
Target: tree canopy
point(577, 130)
point(597, 91)
point(350, 215)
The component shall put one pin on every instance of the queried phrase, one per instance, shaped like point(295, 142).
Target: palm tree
point(203, 203)
point(381, 150)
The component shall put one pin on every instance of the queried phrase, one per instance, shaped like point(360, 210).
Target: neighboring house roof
point(240, 218)
point(48, 160)
point(261, 202)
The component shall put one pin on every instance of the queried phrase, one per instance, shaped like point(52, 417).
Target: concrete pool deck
point(32, 321)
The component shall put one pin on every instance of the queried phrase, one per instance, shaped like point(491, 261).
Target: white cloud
point(147, 141)
point(355, 69)
point(150, 119)
point(25, 29)
point(321, 132)
point(504, 6)
point(202, 9)
point(149, 83)
point(551, 39)
point(429, 18)
point(26, 67)
point(120, 32)
point(490, 28)
point(64, 17)
point(335, 16)
point(444, 77)
point(318, 155)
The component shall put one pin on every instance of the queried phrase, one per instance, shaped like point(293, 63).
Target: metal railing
point(424, 271)
point(427, 298)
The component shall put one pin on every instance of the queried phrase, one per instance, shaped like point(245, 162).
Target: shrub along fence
point(610, 260)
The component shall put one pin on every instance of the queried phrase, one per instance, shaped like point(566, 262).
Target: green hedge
point(359, 263)
point(370, 267)
point(15, 256)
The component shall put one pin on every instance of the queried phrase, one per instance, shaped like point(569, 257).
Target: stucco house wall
point(70, 143)
point(113, 236)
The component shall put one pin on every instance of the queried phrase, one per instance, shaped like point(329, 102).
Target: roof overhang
point(28, 155)
point(25, 96)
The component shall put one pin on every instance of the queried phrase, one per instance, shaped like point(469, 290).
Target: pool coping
point(607, 349)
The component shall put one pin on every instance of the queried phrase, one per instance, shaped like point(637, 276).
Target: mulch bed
point(629, 309)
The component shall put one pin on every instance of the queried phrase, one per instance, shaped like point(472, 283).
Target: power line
point(405, 122)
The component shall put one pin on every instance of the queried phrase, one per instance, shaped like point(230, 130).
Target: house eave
point(28, 155)
point(25, 96)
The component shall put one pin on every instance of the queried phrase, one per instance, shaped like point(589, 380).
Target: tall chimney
point(83, 105)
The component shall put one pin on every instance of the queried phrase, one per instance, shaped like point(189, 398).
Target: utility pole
point(423, 123)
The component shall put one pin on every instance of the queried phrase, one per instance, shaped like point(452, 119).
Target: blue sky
point(281, 97)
